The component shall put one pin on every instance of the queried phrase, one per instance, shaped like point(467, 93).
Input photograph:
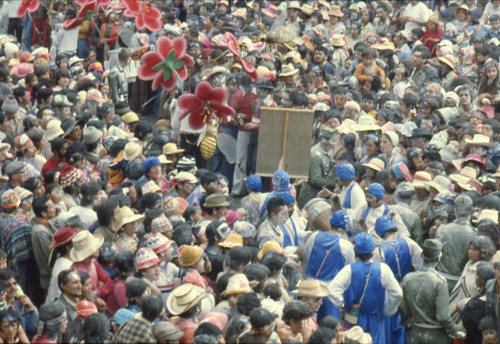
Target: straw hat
point(434, 18)
point(295, 4)
point(125, 215)
point(310, 288)
point(184, 297)
point(150, 187)
point(488, 214)
point(268, 246)
point(163, 159)
point(366, 123)
point(237, 284)
point(448, 60)
point(375, 164)
point(466, 179)
point(440, 183)
point(357, 335)
point(190, 255)
point(130, 117)
point(421, 180)
point(347, 127)
point(171, 148)
point(216, 200)
point(84, 245)
point(146, 258)
point(132, 150)
point(336, 12)
point(288, 70)
point(337, 40)
point(91, 135)
point(307, 9)
point(480, 140)
point(54, 129)
point(232, 240)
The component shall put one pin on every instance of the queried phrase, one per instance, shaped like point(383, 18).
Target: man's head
point(123, 56)
point(431, 251)
point(320, 55)
point(16, 171)
point(294, 313)
point(463, 206)
point(420, 56)
point(277, 210)
point(43, 207)
point(9, 278)
point(375, 195)
point(70, 283)
point(262, 321)
point(152, 307)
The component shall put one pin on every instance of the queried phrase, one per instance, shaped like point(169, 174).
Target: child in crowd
point(368, 69)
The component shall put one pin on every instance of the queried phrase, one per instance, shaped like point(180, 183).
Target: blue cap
point(377, 190)
point(122, 315)
point(289, 199)
point(340, 219)
point(364, 243)
point(281, 181)
point(253, 182)
point(397, 171)
point(383, 224)
point(150, 162)
point(345, 171)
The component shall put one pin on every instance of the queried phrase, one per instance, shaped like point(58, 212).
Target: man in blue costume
point(327, 254)
point(369, 285)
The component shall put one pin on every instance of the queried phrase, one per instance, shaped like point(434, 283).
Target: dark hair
point(84, 276)
point(364, 256)
point(96, 329)
point(142, 129)
point(40, 205)
point(274, 261)
point(207, 328)
point(105, 211)
point(89, 191)
point(257, 272)
point(273, 291)
point(63, 277)
point(6, 274)
point(237, 256)
point(57, 144)
point(50, 312)
point(182, 235)
point(322, 336)
point(296, 310)
point(369, 52)
point(247, 303)
point(274, 203)
point(204, 339)
point(135, 289)
point(488, 323)
point(152, 307)
point(211, 232)
point(330, 322)
point(124, 264)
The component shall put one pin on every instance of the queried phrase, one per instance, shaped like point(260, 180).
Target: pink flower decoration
point(88, 7)
point(229, 41)
point(146, 16)
point(203, 103)
point(27, 6)
point(167, 65)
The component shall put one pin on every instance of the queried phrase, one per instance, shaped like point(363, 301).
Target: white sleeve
point(347, 251)
point(309, 245)
point(393, 292)
point(416, 253)
point(358, 203)
point(339, 285)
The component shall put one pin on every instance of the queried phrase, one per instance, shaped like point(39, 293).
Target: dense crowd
point(132, 209)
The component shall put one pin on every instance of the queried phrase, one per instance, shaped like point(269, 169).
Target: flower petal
point(148, 61)
point(164, 46)
point(222, 110)
point(188, 60)
point(71, 24)
point(183, 73)
point(157, 81)
point(133, 6)
point(218, 95)
point(203, 90)
point(188, 102)
point(196, 121)
point(153, 25)
point(170, 84)
point(33, 6)
point(179, 44)
point(139, 22)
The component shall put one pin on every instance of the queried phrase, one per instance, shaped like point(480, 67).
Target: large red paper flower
point(27, 6)
point(205, 102)
point(229, 41)
point(146, 16)
point(85, 12)
point(167, 65)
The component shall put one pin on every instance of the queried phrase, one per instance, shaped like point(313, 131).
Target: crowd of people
point(132, 210)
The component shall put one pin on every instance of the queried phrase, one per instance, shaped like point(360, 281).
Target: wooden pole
point(283, 147)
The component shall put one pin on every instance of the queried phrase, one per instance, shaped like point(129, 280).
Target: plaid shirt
point(135, 331)
point(16, 239)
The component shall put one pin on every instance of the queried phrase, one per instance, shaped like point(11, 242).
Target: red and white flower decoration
point(230, 42)
point(167, 65)
point(205, 102)
point(146, 16)
point(88, 7)
point(27, 6)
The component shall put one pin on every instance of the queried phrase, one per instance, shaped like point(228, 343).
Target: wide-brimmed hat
point(421, 132)
point(294, 4)
point(184, 297)
point(421, 180)
point(310, 288)
point(68, 125)
point(338, 40)
point(488, 214)
point(440, 183)
point(185, 177)
point(62, 237)
point(480, 140)
point(146, 258)
point(171, 148)
point(232, 240)
point(264, 83)
point(125, 215)
point(269, 246)
point(21, 70)
point(375, 164)
point(475, 158)
point(216, 200)
point(54, 129)
point(336, 12)
point(190, 255)
point(84, 245)
point(91, 135)
point(357, 335)
point(237, 284)
point(288, 70)
point(130, 117)
point(448, 60)
point(466, 178)
point(132, 150)
point(366, 123)
point(163, 159)
point(95, 95)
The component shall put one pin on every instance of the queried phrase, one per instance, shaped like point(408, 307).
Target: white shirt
point(358, 201)
point(393, 292)
point(168, 271)
point(62, 263)
point(375, 213)
point(419, 12)
point(12, 6)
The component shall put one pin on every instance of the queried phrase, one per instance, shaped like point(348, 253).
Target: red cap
point(85, 308)
point(62, 236)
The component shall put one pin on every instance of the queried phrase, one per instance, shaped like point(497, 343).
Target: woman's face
point(371, 147)
point(9, 330)
point(130, 228)
point(39, 190)
point(283, 330)
point(365, 17)
point(86, 288)
point(492, 73)
point(474, 253)
point(152, 273)
point(386, 145)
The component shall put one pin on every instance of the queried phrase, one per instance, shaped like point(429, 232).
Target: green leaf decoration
point(167, 74)
point(178, 64)
point(160, 66)
point(170, 57)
